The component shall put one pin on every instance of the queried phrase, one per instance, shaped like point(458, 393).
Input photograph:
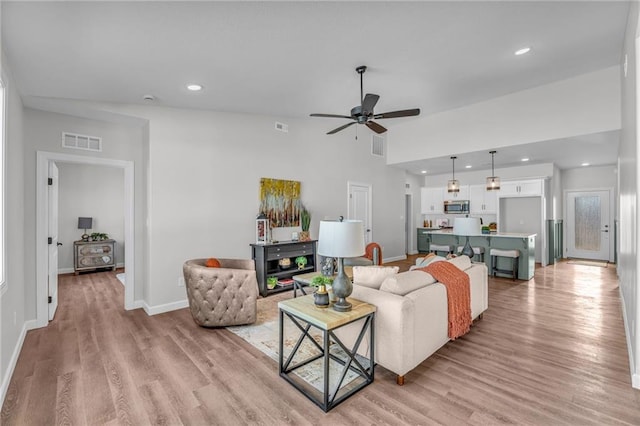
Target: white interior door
point(360, 207)
point(53, 244)
point(588, 224)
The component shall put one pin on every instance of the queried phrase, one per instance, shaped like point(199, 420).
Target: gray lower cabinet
point(269, 263)
point(423, 241)
point(91, 255)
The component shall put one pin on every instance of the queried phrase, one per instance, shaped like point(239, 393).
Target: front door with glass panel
point(588, 224)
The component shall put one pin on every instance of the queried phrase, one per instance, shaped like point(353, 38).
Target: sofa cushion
point(406, 282)
point(372, 276)
point(462, 262)
point(427, 260)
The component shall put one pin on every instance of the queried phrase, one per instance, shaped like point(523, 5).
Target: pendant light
point(493, 181)
point(453, 185)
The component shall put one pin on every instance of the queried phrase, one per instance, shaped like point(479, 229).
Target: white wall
point(414, 182)
point(628, 261)
point(89, 191)
point(585, 104)
point(13, 322)
point(523, 215)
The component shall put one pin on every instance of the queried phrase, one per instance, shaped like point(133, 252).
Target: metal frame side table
point(302, 280)
point(303, 313)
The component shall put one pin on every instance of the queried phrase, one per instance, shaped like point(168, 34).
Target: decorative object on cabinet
point(272, 282)
point(341, 239)
point(305, 222)
point(268, 256)
point(85, 223)
point(493, 181)
point(284, 263)
point(99, 236)
point(280, 201)
point(453, 185)
point(92, 255)
point(321, 295)
point(301, 261)
point(262, 229)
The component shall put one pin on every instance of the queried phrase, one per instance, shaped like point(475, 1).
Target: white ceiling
point(291, 59)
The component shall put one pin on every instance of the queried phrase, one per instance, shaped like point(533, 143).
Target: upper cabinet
point(521, 188)
point(482, 201)
point(431, 201)
point(463, 194)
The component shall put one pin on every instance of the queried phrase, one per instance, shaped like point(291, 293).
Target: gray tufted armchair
point(222, 296)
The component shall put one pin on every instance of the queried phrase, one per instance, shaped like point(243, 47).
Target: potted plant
point(305, 222)
point(272, 282)
point(301, 261)
point(99, 236)
point(321, 295)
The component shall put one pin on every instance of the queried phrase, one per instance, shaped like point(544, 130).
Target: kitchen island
point(524, 243)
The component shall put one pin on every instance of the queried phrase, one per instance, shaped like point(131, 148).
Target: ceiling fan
point(363, 113)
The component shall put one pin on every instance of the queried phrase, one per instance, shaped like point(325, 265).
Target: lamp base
point(467, 250)
point(342, 305)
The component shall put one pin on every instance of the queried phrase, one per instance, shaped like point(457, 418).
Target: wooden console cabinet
point(267, 258)
point(88, 255)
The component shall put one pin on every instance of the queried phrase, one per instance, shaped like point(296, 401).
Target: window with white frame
point(3, 280)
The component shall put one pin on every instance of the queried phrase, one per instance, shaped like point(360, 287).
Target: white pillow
point(426, 261)
point(372, 276)
point(462, 262)
point(406, 282)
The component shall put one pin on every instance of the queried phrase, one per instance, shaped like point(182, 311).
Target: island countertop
point(493, 234)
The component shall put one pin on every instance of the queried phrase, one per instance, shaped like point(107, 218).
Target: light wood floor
point(548, 351)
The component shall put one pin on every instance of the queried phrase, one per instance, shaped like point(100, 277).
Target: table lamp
point(467, 226)
point(341, 239)
point(85, 223)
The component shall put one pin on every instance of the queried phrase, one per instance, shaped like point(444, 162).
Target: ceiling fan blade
point(370, 101)
point(329, 115)
point(375, 127)
point(396, 114)
point(341, 128)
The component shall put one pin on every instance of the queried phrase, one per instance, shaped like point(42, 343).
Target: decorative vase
point(284, 263)
point(304, 236)
point(321, 297)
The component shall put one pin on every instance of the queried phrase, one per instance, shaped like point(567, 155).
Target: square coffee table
point(305, 316)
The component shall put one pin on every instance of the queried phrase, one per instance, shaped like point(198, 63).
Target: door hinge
point(50, 181)
point(49, 240)
point(50, 299)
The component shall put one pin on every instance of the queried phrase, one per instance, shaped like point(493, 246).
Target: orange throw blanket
point(458, 295)
point(369, 253)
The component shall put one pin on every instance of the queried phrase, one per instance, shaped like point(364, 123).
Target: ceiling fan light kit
point(363, 113)
point(493, 181)
point(453, 185)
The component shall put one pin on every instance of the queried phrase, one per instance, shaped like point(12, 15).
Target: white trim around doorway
point(43, 159)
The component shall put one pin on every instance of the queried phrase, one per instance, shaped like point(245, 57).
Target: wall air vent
point(377, 146)
point(407, 186)
point(282, 127)
point(84, 142)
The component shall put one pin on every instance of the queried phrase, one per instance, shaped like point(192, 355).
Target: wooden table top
point(325, 318)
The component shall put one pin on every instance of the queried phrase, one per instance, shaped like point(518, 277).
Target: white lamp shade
point(341, 239)
point(467, 226)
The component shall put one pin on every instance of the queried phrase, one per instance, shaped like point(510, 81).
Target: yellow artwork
point(280, 202)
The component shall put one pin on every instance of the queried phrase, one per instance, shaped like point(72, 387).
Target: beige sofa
point(411, 320)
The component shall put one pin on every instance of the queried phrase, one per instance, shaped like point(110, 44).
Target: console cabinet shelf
point(268, 256)
point(91, 255)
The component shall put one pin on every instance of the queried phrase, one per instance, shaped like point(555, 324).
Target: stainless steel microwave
point(456, 206)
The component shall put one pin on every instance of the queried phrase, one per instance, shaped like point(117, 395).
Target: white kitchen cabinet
point(521, 188)
point(482, 201)
point(431, 201)
point(463, 194)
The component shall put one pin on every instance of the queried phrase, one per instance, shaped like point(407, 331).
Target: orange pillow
point(212, 262)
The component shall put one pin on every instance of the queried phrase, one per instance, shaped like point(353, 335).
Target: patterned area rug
point(585, 262)
point(263, 335)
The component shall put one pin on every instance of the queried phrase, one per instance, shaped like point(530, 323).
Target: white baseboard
point(394, 259)
point(6, 378)
point(414, 252)
point(635, 377)
point(71, 270)
point(160, 309)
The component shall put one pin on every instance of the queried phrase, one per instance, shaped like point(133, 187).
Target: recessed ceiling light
point(194, 87)
point(524, 159)
point(468, 166)
point(585, 164)
point(423, 172)
point(522, 51)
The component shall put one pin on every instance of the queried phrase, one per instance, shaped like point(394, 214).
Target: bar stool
point(477, 251)
point(435, 248)
point(511, 254)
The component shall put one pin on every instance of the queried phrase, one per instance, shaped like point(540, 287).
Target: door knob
point(59, 244)
point(605, 230)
